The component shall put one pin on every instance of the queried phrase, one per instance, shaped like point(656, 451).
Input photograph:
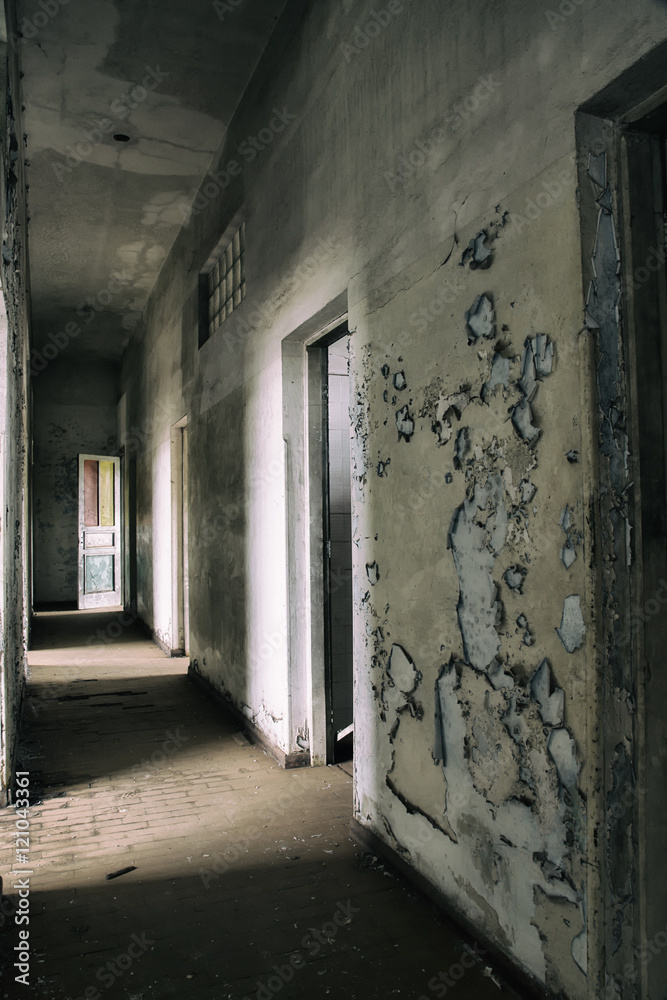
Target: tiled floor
point(244, 880)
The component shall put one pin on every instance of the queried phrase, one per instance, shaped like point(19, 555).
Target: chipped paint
point(522, 419)
point(477, 254)
point(404, 424)
point(500, 797)
point(572, 628)
point(475, 542)
point(499, 375)
point(480, 319)
point(551, 704)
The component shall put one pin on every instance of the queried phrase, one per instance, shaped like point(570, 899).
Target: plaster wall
point(74, 413)
point(459, 254)
point(14, 424)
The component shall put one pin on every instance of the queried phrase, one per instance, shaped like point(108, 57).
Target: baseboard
point(286, 760)
point(160, 643)
point(513, 977)
point(154, 637)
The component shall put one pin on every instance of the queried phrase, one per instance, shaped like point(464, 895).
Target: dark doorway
point(645, 303)
point(623, 204)
point(338, 547)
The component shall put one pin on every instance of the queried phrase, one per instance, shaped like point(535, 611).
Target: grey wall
point(14, 424)
point(74, 413)
point(476, 690)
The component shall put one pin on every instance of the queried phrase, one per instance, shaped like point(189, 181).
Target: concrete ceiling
point(104, 213)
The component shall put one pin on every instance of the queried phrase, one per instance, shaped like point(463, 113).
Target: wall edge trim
point(287, 761)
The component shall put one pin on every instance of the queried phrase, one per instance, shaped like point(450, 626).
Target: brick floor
point(241, 870)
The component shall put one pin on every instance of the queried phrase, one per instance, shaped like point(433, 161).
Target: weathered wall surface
point(14, 424)
point(74, 413)
point(427, 168)
point(479, 629)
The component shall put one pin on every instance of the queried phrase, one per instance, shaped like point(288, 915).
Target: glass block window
point(226, 281)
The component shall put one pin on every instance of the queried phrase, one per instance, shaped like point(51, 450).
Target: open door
point(180, 641)
point(99, 532)
point(338, 550)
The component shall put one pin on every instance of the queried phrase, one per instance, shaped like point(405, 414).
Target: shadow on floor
point(240, 879)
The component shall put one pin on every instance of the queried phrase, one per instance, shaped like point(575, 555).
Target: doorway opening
point(100, 579)
point(622, 135)
point(337, 544)
point(180, 641)
point(644, 151)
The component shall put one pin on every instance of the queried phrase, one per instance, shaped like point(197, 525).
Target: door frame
point(302, 434)
point(626, 302)
point(320, 468)
point(100, 601)
point(180, 590)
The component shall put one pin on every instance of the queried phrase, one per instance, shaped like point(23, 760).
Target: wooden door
point(99, 532)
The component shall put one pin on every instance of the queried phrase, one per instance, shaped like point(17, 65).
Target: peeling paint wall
point(484, 758)
point(14, 423)
point(74, 411)
point(477, 590)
